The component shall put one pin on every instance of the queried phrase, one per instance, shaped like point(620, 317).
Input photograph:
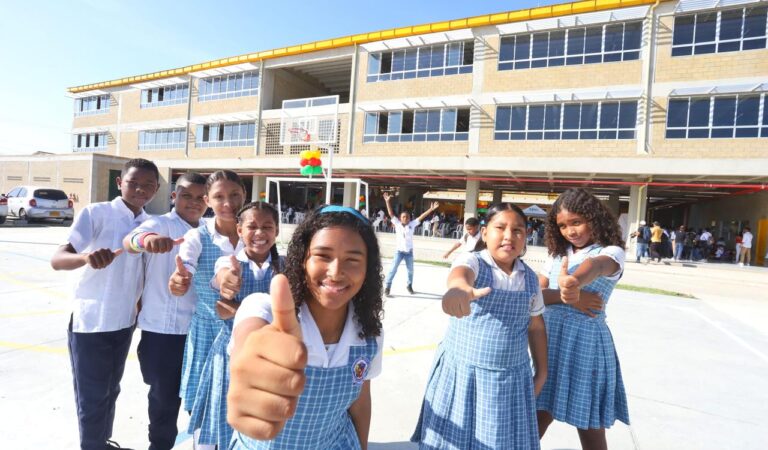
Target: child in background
point(319, 365)
point(237, 276)
point(105, 296)
point(586, 255)
point(480, 394)
point(195, 265)
point(469, 240)
point(164, 319)
point(404, 229)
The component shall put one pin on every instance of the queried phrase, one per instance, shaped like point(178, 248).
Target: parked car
point(33, 203)
point(3, 208)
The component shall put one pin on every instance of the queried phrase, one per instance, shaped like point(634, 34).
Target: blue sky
point(48, 46)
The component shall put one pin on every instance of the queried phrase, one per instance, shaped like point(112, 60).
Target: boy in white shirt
point(106, 293)
point(469, 240)
point(164, 318)
point(404, 242)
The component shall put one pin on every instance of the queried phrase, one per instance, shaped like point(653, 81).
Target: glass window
point(374, 63)
point(371, 122)
point(698, 115)
point(677, 113)
point(522, 47)
point(438, 54)
point(462, 120)
point(503, 118)
point(724, 113)
point(683, 32)
point(571, 114)
point(536, 117)
point(383, 123)
point(588, 116)
point(411, 56)
point(433, 121)
point(633, 35)
point(395, 123)
point(613, 37)
point(628, 114)
point(420, 122)
point(518, 118)
point(747, 109)
point(609, 115)
point(448, 120)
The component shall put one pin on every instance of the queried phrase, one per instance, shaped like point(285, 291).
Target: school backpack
point(646, 234)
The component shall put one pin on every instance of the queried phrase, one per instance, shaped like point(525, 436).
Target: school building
point(658, 106)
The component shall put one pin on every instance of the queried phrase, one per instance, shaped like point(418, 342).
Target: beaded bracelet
point(142, 237)
point(135, 243)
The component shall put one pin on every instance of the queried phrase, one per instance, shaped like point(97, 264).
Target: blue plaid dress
point(205, 323)
point(480, 392)
point(321, 420)
point(584, 387)
point(209, 412)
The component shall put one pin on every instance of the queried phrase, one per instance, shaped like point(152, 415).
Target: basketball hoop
point(299, 135)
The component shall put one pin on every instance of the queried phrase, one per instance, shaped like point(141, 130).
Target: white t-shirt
point(404, 234)
point(161, 311)
point(512, 282)
point(319, 355)
point(468, 242)
point(192, 246)
point(746, 240)
point(705, 236)
point(105, 299)
point(612, 251)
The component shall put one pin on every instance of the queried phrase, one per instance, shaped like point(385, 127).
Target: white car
point(3, 208)
point(33, 203)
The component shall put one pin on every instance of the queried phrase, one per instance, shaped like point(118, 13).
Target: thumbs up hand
point(180, 279)
point(267, 371)
point(102, 257)
point(160, 244)
point(230, 279)
point(456, 301)
point(570, 286)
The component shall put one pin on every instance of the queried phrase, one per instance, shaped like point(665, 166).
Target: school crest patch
point(360, 369)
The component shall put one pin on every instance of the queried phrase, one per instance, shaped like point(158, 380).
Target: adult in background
point(656, 233)
point(643, 235)
point(678, 241)
point(746, 247)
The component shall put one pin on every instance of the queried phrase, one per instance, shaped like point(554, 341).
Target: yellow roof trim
point(542, 12)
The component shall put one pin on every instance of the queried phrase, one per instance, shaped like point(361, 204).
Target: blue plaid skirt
point(209, 411)
point(202, 332)
point(584, 387)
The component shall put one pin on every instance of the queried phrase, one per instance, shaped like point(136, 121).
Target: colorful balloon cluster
point(361, 201)
point(311, 163)
point(482, 207)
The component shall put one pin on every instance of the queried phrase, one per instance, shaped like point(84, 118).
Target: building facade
point(659, 107)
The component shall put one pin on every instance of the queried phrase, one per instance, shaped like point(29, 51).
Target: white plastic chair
point(459, 231)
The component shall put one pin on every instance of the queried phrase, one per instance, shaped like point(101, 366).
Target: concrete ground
point(694, 369)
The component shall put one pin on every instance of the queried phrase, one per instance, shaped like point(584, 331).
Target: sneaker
point(410, 289)
point(741, 264)
point(110, 444)
point(386, 292)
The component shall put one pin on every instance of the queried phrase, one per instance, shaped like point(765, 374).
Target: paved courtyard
point(695, 369)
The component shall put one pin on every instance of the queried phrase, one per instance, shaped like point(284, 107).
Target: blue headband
point(343, 209)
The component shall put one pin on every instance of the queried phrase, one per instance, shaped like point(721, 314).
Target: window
point(89, 142)
point(162, 139)
point(165, 96)
point(723, 116)
point(728, 30)
point(418, 62)
point(421, 125)
point(565, 121)
point(241, 84)
point(88, 106)
point(239, 134)
point(584, 45)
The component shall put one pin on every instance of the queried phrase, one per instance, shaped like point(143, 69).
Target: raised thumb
point(234, 263)
point(482, 292)
point(564, 266)
point(180, 266)
point(178, 241)
point(283, 307)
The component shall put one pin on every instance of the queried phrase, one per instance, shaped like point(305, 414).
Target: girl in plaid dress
point(198, 253)
point(237, 276)
point(480, 393)
point(584, 387)
point(304, 382)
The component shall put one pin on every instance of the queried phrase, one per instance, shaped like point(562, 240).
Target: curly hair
point(367, 302)
point(605, 227)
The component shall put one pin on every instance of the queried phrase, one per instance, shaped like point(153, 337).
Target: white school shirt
point(612, 251)
point(706, 235)
point(192, 246)
point(319, 355)
point(468, 242)
point(258, 272)
point(105, 299)
point(161, 311)
point(746, 240)
point(404, 234)
point(512, 282)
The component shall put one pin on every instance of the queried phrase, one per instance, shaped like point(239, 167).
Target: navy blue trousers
point(98, 362)
point(160, 357)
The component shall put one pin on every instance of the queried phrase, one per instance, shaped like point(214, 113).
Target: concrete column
point(349, 195)
point(497, 196)
point(470, 202)
point(259, 186)
point(161, 204)
point(638, 201)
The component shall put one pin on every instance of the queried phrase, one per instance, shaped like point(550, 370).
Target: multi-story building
point(658, 106)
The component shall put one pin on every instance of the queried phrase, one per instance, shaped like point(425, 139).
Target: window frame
point(718, 45)
point(431, 131)
point(218, 87)
point(759, 129)
point(417, 62)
